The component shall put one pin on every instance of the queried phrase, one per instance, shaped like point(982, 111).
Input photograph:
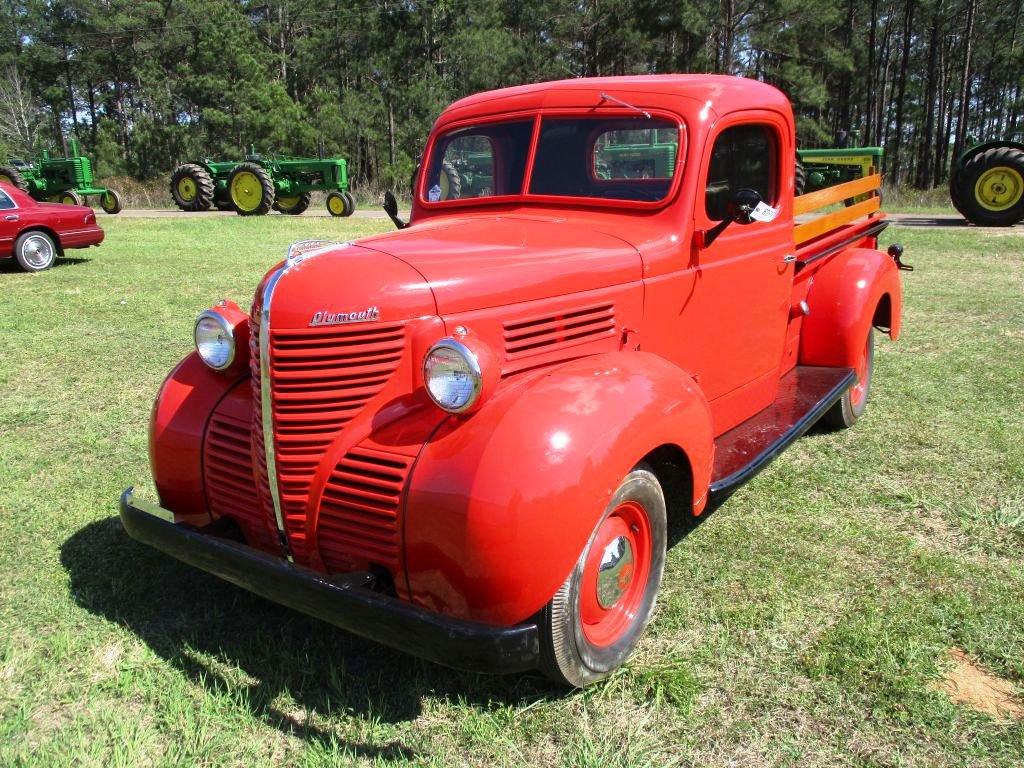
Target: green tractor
point(820, 168)
point(654, 160)
point(254, 186)
point(986, 184)
point(66, 179)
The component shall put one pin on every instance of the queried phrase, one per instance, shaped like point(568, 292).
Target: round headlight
point(452, 374)
point(215, 340)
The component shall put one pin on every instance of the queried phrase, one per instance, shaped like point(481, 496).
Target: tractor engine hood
point(482, 262)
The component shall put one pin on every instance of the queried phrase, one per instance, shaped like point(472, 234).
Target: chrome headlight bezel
point(472, 368)
point(229, 332)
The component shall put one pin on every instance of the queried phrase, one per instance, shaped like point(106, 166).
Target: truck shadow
point(234, 643)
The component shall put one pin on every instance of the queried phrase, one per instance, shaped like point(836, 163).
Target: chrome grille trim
point(266, 404)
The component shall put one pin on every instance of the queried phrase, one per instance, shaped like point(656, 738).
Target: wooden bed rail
point(814, 201)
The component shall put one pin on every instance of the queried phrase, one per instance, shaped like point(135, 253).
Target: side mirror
point(390, 206)
point(742, 205)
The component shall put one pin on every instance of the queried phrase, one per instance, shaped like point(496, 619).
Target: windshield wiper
point(607, 97)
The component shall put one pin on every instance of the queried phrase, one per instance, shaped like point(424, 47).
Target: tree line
point(146, 85)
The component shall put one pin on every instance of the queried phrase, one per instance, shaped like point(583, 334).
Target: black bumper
point(451, 642)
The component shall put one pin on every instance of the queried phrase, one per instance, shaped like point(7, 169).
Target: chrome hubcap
point(615, 573)
point(38, 251)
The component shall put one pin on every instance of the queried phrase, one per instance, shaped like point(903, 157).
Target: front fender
point(181, 411)
point(502, 503)
point(844, 297)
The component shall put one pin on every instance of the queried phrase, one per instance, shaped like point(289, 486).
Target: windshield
point(606, 158)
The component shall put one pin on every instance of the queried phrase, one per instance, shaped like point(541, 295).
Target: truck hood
point(481, 262)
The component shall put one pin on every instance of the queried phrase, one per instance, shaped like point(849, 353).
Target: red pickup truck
point(469, 438)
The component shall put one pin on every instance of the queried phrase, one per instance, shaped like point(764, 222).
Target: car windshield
point(607, 158)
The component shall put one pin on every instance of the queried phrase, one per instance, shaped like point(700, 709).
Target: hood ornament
point(341, 318)
point(298, 252)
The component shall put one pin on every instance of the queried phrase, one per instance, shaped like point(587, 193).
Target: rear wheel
point(192, 187)
point(110, 201)
point(293, 205)
point(251, 190)
point(851, 405)
point(35, 251)
point(11, 175)
point(597, 616)
point(990, 187)
point(799, 179)
point(71, 198)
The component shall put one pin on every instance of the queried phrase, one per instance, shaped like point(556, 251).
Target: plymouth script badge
point(340, 318)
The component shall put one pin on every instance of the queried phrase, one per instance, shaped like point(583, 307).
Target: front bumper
point(451, 642)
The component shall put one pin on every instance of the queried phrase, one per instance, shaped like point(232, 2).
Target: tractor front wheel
point(110, 202)
point(293, 205)
point(11, 175)
point(339, 205)
point(990, 187)
point(192, 187)
point(251, 190)
point(351, 200)
point(71, 198)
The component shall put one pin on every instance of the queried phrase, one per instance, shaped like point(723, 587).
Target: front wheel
point(71, 197)
point(110, 202)
point(597, 616)
point(851, 405)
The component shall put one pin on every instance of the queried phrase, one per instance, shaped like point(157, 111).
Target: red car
point(469, 438)
point(35, 234)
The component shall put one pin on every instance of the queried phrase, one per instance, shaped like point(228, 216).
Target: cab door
point(744, 271)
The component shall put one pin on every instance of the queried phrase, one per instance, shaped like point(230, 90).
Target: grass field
point(809, 622)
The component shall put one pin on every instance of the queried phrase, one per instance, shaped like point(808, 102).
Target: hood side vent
point(529, 337)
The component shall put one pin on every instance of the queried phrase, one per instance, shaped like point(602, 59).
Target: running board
point(805, 395)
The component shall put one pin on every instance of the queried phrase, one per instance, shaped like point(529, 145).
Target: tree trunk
point(965, 81)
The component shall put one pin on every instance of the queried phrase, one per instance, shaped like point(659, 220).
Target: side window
point(743, 157)
point(5, 201)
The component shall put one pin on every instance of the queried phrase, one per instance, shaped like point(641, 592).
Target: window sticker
point(763, 212)
point(434, 193)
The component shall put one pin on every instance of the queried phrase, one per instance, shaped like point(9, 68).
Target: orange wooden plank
point(812, 201)
point(819, 226)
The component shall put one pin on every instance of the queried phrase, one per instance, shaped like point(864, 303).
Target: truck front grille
point(359, 510)
point(320, 379)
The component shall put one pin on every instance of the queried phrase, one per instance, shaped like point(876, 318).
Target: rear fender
point(502, 503)
point(180, 413)
point(855, 290)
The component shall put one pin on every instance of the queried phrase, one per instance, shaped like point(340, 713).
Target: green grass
point(805, 623)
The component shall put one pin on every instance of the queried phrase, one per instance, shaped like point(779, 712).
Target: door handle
point(789, 258)
point(10, 217)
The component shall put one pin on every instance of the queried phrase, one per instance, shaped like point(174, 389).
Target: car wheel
point(35, 251)
point(597, 616)
point(851, 405)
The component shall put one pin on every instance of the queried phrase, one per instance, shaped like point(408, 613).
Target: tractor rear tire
point(449, 183)
point(192, 187)
point(11, 175)
point(293, 206)
point(799, 179)
point(70, 198)
point(989, 187)
point(110, 202)
point(251, 190)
